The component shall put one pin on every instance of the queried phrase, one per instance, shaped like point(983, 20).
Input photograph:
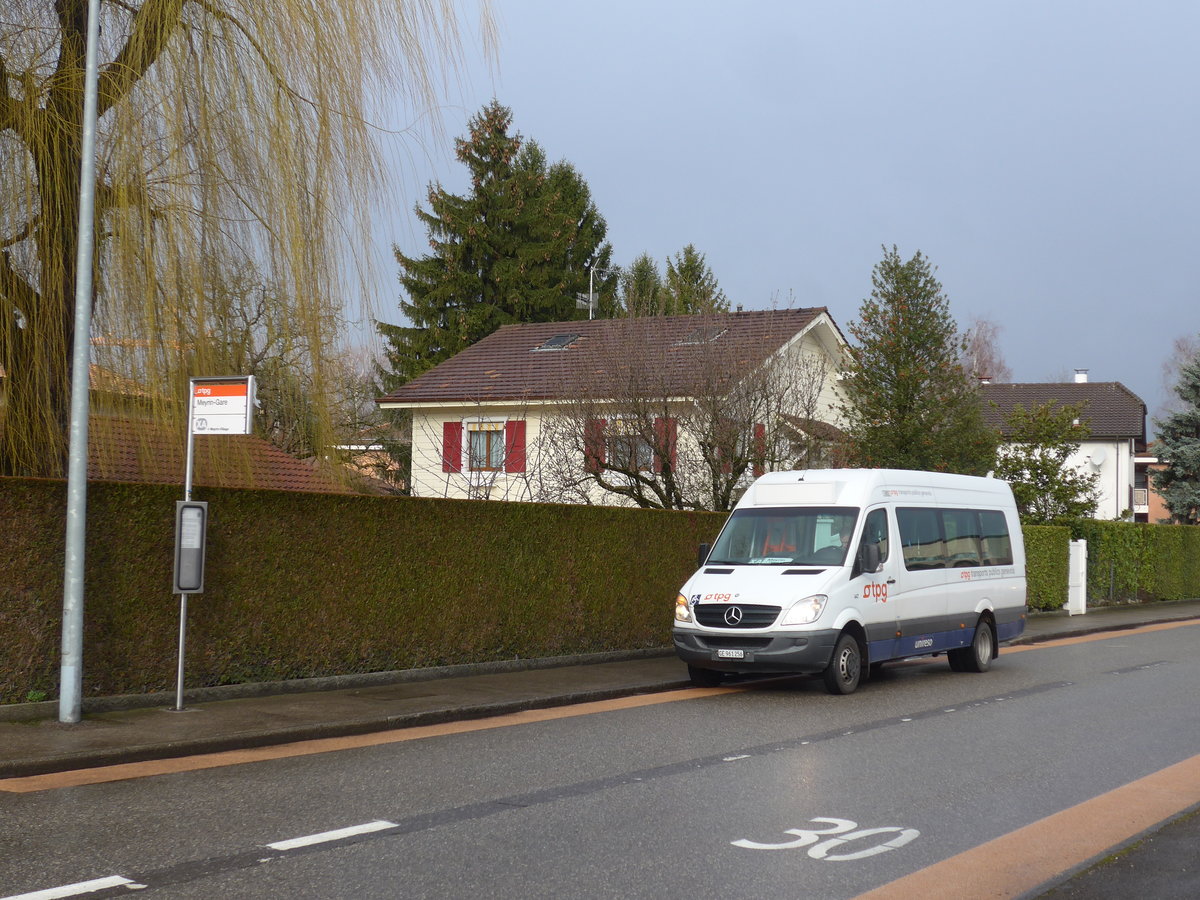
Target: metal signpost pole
point(215, 406)
point(187, 495)
point(70, 692)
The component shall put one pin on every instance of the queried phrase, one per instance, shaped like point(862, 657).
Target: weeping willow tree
point(236, 162)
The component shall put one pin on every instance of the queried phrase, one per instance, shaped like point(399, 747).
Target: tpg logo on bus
point(874, 591)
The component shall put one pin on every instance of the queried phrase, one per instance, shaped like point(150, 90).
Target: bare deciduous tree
point(982, 357)
point(630, 436)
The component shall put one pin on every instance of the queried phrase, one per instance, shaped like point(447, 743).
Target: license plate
point(731, 654)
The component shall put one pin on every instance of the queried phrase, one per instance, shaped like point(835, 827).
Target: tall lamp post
point(70, 692)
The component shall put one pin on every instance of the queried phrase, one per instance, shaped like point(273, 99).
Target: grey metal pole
point(188, 468)
point(70, 701)
point(182, 642)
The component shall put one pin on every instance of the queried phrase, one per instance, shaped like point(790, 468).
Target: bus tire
point(978, 657)
point(844, 671)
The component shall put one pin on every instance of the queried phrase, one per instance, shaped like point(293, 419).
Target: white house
point(1116, 418)
point(654, 411)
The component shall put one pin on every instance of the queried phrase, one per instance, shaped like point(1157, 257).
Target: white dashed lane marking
point(336, 835)
point(77, 889)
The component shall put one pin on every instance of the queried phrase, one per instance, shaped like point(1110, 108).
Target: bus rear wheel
point(977, 657)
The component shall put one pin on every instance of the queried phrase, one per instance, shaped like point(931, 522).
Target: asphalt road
point(774, 790)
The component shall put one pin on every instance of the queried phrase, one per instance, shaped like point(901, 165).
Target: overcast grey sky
point(1042, 154)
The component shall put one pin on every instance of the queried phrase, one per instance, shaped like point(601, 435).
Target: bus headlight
point(806, 611)
point(683, 612)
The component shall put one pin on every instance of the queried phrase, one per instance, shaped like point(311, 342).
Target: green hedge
point(302, 585)
point(1130, 561)
point(1046, 565)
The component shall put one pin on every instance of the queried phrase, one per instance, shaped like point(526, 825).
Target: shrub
point(1046, 565)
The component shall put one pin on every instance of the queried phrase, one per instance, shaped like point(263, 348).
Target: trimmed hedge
point(1130, 561)
point(303, 585)
point(1046, 565)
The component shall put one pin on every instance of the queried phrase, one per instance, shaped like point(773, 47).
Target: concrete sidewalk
point(130, 729)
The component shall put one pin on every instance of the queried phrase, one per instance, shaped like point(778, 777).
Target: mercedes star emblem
point(733, 615)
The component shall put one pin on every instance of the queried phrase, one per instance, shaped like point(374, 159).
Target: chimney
point(1081, 376)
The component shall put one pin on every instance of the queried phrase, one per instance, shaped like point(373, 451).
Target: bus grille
point(735, 615)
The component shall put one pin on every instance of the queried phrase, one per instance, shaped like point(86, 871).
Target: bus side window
point(961, 528)
point(875, 531)
point(921, 538)
point(997, 545)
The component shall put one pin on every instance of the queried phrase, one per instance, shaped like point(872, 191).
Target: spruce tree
point(1179, 450)
point(690, 286)
point(515, 248)
point(641, 287)
point(908, 402)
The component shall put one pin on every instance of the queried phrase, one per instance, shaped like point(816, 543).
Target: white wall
point(1113, 462)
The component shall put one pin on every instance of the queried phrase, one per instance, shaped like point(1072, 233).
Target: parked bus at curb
point(837, 571)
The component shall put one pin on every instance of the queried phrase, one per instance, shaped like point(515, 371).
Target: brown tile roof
point(130, 450)
point(663, 350)
point(814, 428)
point(1110, 409)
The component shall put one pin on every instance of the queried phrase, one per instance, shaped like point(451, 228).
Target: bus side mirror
point(868, 558)
point(702, 554)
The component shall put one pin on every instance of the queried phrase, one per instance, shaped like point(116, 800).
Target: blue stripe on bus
point(920, 644)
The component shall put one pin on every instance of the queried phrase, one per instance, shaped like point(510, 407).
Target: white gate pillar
point(1076, 604)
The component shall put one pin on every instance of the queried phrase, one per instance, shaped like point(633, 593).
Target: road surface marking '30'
point(807, 837)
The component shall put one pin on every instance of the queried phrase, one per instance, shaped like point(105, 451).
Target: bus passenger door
point(921, 597)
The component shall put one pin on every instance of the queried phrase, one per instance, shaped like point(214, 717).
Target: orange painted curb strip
point(125, 771)
point(1054, 845)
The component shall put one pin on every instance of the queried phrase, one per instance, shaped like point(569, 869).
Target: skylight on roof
point(558, 342)
point(705, 334)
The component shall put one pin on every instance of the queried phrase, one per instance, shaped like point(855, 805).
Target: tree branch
point(15, 293)
point(152, 28)
point(21, 235)
point(8, 106)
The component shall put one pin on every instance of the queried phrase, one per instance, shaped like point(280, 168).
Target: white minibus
point(836, 571)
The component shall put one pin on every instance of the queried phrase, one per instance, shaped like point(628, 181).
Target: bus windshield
point(786, 536)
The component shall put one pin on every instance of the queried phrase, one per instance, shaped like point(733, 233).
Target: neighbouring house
point(126, 444)
point(1116, 418)
point(1148, 503)
point(662, 411)
point(123, 449)
point(371, 455)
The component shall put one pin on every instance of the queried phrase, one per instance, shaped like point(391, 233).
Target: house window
point(486, 447)
point(629, 452)
point(620, 445)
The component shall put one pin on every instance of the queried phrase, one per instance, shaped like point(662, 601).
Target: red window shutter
point(760, 449)
point(593, 444)
point(664, 438)
point(452, 438)
point(514, 446)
